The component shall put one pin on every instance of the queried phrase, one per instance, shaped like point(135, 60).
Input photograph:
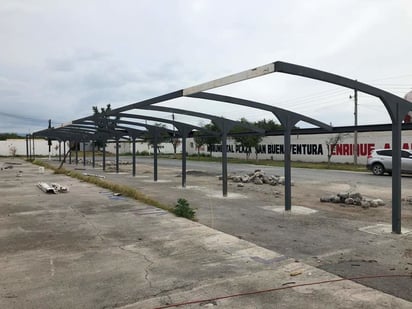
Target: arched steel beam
point(218, 120)
point(287, 118)
point(396, 106)
point(280, 113)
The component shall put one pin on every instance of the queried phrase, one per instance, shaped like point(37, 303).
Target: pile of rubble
point(258, 177)
point(354, 198)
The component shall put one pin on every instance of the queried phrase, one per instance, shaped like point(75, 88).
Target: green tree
point(210, 138)
point(104, 123)
point(199, 139)
point(163, 135)
point(268, 125)
point(247, 141)
point(4, 136)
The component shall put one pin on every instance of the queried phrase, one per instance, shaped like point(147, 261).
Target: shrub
point(182, 209)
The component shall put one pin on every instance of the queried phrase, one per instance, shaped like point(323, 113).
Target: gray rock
point(266, 179)
point(245, 179)
point(380, 202)
point(327, 199)
point(349, 201)
point(343, 195)
point(257, 181)
point(377, 202)
point(240, 185)
point(355, 195)
point(236, 178)
point(365, 204)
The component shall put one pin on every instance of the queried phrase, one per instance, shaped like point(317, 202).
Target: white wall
point(41, 147)
point(308, 148)
point(312, 148)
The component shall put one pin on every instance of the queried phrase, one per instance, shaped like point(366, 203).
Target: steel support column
point(117, 155)
point(27, 147)
point(224, 164)
point(104, 156)
point(396, 172)
point(134, 156)
point(84, 153)
point(93, 155)
point(184, 161)
point(288, 169)
point(155, 141)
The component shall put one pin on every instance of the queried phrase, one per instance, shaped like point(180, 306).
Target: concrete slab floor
point(84, 249)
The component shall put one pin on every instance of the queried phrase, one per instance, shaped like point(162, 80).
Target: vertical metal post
point(134, 156)
point(70, 152)
point(104, 155)
point(355, 133)
point(288, 173)
point(27, 147)
point(184, 160)
point(84, 153)
point(155, 140)
point(60, 150)
point(396, 171)
point(117, 155)
point(93, 154)
point(64, 150)
point(77, 152)
point(224, 163)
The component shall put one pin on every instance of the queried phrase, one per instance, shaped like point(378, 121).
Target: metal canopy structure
point(115, 127)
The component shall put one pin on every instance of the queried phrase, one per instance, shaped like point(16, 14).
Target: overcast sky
point(60, 58)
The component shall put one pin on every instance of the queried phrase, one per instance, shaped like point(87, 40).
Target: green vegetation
point(5, 136)
point(114, 187)
point(246, 141)
point(295, 164)
point(183, 209)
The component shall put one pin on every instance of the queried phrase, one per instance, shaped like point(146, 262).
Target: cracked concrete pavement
point(90, 249)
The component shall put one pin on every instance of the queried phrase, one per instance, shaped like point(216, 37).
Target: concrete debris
point(94, 175)
point(53, 188)
point(46, 188)
point(258, 177)
point(352, 198)
point(408, 200)
point(60, 188)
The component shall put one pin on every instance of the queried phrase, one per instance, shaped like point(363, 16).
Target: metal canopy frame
point(396, 107)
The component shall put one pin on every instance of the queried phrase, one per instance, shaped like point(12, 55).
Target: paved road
point(298, 174)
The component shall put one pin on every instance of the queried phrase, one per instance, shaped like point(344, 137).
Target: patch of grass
point(100, 182)
point(183, 209)
point(295, 164)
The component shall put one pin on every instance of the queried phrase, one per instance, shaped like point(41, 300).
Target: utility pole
point(355, 133)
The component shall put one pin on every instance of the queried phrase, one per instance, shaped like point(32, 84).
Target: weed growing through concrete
point(183, 209)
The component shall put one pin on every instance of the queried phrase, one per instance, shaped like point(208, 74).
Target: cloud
point(60, 58)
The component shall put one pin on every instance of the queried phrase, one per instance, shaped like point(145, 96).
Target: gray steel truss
point(114, 127)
